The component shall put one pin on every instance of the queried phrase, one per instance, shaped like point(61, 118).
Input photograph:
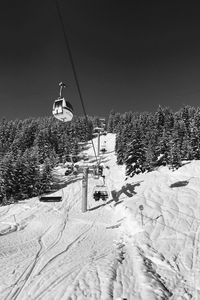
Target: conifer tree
point(175, 152)
point(31, 173)
point(152, 153)
point(160, 118)
point(6, 176)
point(135, 156)
point(195, 142)
point(46, 177)
point(110, 125)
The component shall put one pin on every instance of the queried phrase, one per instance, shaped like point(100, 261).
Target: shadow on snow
point(128, 190)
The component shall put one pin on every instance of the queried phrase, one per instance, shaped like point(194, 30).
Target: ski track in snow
point(69, 259)
point(52, 251)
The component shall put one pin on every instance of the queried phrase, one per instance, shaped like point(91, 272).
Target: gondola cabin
point(62, 110)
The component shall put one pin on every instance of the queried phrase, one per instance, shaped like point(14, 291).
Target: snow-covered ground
point(112, 251)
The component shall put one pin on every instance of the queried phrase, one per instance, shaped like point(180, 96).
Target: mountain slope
point(114, 250)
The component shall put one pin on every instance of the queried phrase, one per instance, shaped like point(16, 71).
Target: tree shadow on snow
point(128, 190)
point(179, 184)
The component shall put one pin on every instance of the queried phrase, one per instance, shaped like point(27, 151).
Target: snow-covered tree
point(135, 156)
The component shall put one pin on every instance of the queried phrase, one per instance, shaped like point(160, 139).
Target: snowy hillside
point(114, 250)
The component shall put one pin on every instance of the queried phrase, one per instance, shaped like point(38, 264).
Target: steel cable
point(74, 69)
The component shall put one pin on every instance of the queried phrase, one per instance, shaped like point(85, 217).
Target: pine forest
point(31, 148)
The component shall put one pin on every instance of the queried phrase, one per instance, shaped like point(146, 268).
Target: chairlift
point(101, 191)
point(75, 169)
point(103, 148)
point(73, 158)
point(96, 195)
point(85, 157)
point(94, 135)
point(72, 169)
point(62, 109)
point(102, 120)
point(82, 144)
point(69, 170)
point(97, 171)
point(51, 198)
point(96, 130)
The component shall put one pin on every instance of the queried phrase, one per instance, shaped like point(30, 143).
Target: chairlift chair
point(104, 195)
point(103, 148)
point(76, 169)
point(96, 195)
point(97, 171)
point(85, 157)
point(100, 170)
point(73, 158)
point(100, 192)
point(94, 134)
point(69, 171)
point(51, 198)
point(96, 130)
point(82, 144)
point(102, 120)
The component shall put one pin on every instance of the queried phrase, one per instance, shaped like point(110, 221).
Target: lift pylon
point(84, 189)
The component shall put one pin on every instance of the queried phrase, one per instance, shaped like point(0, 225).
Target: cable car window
point(58, 103)
point(69, 106)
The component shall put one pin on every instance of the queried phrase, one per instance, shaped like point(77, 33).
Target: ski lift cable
point(74, 69)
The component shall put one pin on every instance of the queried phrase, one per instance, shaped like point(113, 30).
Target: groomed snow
point(53, 251)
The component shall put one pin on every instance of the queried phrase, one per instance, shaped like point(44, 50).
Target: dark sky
point(129, 55)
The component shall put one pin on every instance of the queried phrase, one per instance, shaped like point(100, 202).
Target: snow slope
point(114, 250)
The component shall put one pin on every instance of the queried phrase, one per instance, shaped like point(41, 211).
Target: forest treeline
point(30, 148)
point(146, 140)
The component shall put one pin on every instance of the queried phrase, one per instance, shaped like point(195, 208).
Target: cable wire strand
point(74, 69)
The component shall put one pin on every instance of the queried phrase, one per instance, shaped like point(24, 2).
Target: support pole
point(98, 144)
point(84, 189)
point(142, 221)
point(15, 219)
point(141, 208)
